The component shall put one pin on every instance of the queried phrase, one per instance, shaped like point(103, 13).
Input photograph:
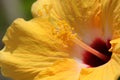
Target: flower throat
point(97, 53)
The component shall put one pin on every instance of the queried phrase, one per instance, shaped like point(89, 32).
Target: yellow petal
point(108, 71)
point(66, 69)
point(116, 19)
point(41, 9)
point(77, 12)
point(115, 46)
point(88, 17)
point(30, 47)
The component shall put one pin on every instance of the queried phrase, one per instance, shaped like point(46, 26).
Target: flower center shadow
point(100, 46)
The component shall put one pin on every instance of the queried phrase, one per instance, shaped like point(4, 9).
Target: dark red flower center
point(100, 46)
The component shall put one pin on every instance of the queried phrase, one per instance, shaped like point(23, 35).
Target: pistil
point(89, 49)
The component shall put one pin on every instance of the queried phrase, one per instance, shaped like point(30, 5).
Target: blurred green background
point(9, 11)
point(12, 9)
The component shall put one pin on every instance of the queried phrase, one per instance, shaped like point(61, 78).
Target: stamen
point(89, 49)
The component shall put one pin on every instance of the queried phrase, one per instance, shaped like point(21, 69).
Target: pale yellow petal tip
point(115, 46)
point(17, 22)
point(14, 27)
point(41, 8)
point(35, 9)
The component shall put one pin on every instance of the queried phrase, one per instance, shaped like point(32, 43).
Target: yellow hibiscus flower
point(66, 40)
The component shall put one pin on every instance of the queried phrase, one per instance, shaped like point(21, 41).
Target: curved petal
point(108, 71)
point(66, 69)
point(30, 47)
point(41, 8)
